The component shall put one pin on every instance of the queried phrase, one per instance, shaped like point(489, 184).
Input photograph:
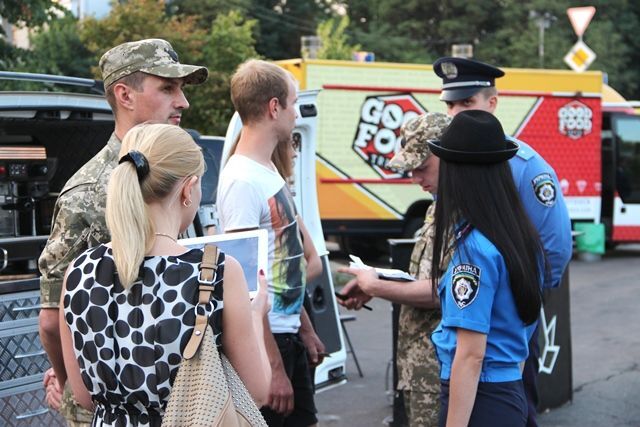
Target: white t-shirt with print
point(251, 195)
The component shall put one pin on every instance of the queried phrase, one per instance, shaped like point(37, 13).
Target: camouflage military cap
point(415, 134)
point(151, 56)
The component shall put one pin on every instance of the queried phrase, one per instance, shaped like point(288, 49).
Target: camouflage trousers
point(422, 408)
point(74, 414)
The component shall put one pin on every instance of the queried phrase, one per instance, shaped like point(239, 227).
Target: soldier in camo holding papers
point(468, 84)
point(418, 368)
point(143, 81)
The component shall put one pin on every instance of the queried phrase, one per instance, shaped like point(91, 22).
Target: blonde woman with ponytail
point(129, 305)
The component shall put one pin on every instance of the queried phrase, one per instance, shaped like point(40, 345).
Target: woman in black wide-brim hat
point(491, 263)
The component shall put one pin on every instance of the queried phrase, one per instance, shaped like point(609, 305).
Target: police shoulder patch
point(465, 284)
point(545, 189)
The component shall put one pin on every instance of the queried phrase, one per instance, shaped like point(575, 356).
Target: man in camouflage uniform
point(143, 81)
point(418, 367)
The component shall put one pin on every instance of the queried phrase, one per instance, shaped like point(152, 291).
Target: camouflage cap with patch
point(151, 56)
point(415, 134)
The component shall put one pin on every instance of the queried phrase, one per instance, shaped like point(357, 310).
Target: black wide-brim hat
point(474, 136)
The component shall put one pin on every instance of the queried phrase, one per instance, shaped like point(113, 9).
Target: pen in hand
point(344, 297)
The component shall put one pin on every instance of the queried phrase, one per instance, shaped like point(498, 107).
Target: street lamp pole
point(543, 21)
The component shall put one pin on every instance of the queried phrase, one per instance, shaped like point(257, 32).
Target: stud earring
point(186, 203)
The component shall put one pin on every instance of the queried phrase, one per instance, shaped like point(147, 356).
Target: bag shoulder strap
point(208, 268)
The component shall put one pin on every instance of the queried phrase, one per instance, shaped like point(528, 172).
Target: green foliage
point(59, 50)
point(229, 43)
point(501, 32)
point(282, 23)
point(28, 13)
point(31, 13)
point(55, 49)
point(205, 11)
point(140, 19)
point(390, 46)
point(414, 31)
point(11, 57)
point(335, 43)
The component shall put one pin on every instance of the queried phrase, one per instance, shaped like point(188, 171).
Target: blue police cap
point(462, 78)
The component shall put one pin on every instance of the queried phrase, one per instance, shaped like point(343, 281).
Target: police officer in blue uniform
point(490, 291)
point(469, 84)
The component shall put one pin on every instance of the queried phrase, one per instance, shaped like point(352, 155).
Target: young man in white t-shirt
point(252, 194)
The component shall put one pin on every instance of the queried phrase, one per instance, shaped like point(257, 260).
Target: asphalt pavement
point(605, 319)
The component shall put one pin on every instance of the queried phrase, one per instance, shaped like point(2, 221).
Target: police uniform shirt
point(475, 294)
point(542, 199)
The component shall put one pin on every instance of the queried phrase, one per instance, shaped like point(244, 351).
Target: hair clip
point(139, 161)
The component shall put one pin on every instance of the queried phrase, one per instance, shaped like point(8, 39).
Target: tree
point(30, 13)
point(501, 33)
point(206, 11)
point(282, 23)
point(334, 40)
point(140, 19)
point(382, 39)
point(229, 43)
point(57, 49)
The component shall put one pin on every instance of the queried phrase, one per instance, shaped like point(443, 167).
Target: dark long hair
point(486, 197)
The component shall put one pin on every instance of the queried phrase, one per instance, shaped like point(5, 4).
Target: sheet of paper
point(383, 273)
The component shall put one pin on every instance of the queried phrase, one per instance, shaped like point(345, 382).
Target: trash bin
point(590, 237)
point(590, 240)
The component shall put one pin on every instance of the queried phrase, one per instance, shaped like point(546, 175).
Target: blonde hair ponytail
point(172, 156)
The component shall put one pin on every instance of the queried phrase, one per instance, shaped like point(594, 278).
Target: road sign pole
point(580, 56)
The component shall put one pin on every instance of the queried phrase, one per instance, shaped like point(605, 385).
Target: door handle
point(27, 415)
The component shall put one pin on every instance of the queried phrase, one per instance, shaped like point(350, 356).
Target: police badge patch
point(465, 284)
point(545, 189)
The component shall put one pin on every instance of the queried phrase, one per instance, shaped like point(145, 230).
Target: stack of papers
point(383, 273)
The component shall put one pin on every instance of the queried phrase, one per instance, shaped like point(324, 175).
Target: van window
point(212, 151)
point(627, 135)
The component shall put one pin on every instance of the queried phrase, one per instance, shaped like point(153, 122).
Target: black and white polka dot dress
point(129, 342)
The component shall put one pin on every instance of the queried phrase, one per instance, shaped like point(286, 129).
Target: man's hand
point(313, 344)
point(359, 290)
point(281, 393)
point(315, 347)
point(53, 389)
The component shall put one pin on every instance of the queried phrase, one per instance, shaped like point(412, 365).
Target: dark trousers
point(530, 380)
point(496, 405)
point(294, 360)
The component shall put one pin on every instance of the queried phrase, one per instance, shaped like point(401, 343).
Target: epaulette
point(525, 152)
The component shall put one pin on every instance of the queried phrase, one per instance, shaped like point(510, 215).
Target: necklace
point(168, 236)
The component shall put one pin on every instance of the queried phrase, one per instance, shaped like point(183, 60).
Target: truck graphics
point(562, 114)
point(378, 134)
